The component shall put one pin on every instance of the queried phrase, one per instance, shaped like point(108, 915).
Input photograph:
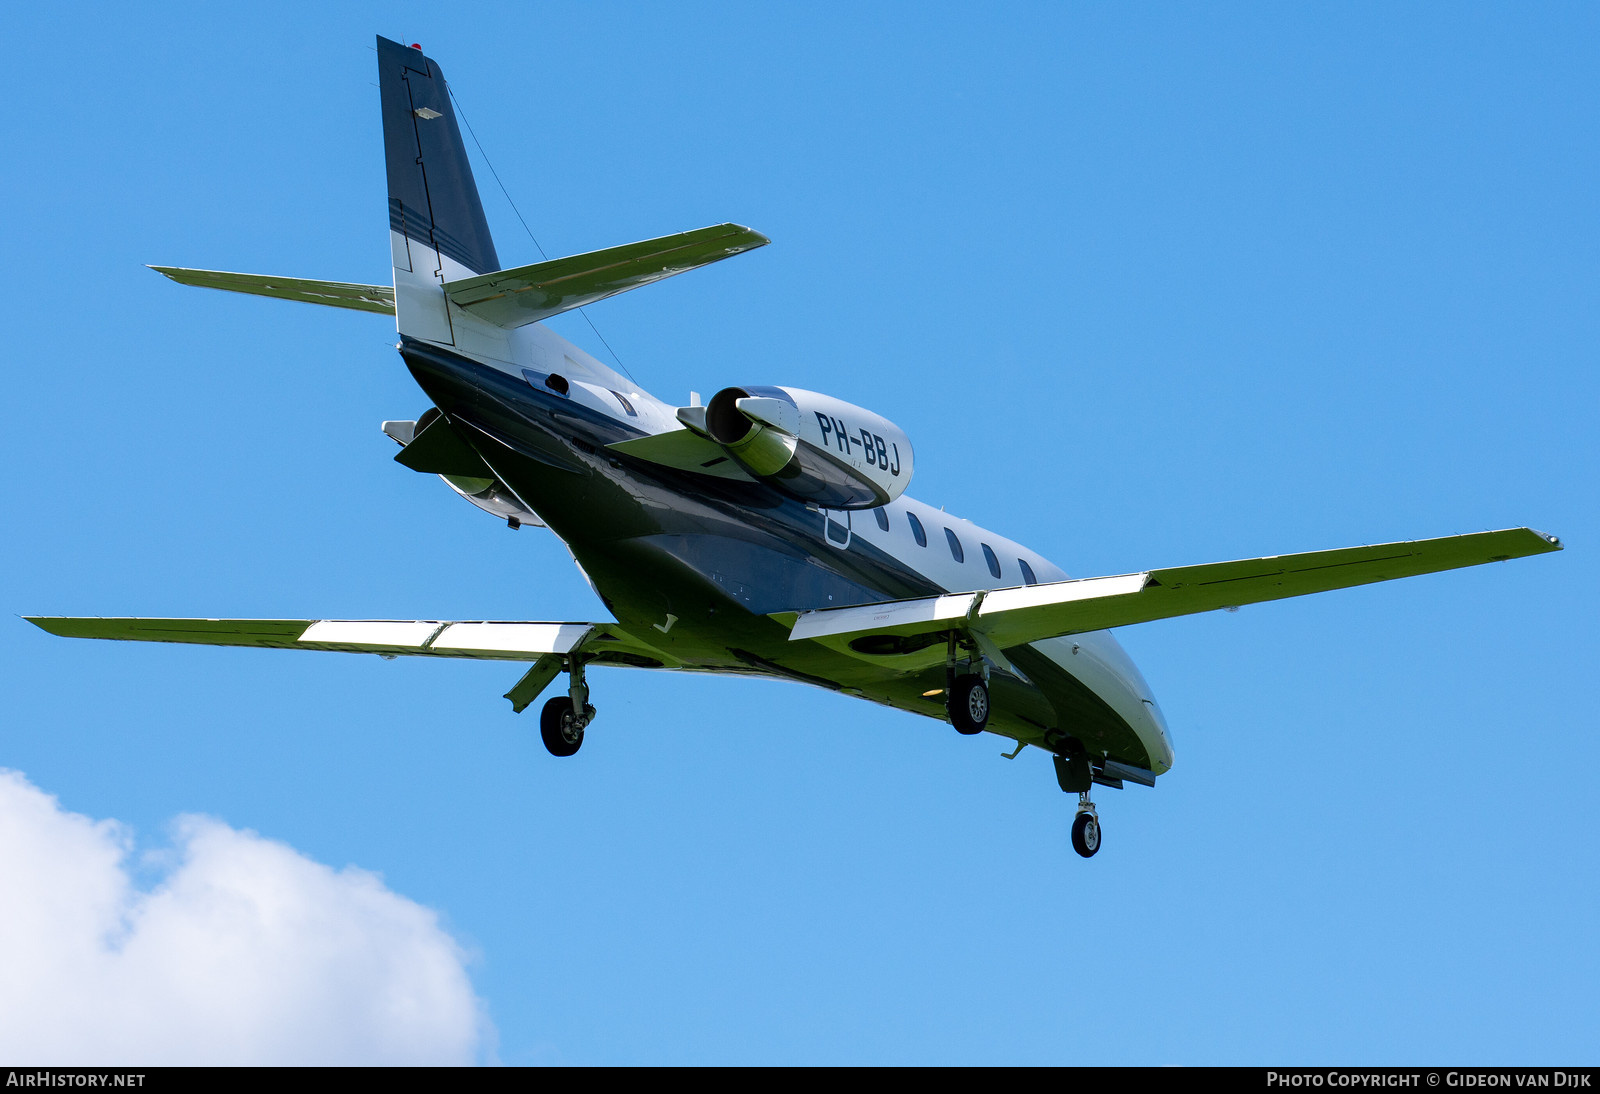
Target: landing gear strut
point(564, 718)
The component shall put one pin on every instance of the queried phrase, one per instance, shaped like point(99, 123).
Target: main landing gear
point(968, 704)
point(561, 724)
point(561, 728)
point(966, 694)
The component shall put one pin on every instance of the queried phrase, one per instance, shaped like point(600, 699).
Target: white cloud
point(246, 951)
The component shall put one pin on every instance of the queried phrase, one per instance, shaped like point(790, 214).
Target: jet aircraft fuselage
point(702, 564)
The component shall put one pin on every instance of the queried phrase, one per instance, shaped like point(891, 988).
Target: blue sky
point(1145, 285)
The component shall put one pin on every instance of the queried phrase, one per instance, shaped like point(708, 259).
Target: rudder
point(437, 228)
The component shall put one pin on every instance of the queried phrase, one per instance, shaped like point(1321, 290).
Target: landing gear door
point(836, 528)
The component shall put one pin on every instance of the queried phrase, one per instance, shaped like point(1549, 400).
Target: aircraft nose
point(1134, 699)
point(1158, 742)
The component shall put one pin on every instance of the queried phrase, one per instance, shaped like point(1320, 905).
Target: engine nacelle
point(810, 446)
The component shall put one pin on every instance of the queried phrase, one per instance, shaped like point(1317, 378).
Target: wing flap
point(527, 294)
point(1029, 613)
point(488, 639)
point(333, 294)
point(377, 633)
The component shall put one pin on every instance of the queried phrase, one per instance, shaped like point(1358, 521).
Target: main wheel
point(1086, 834)
point(969, 704)
point(561, 731)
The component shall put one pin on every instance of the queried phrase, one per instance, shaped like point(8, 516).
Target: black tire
point(562, 734)
point(1086, 834)
point(969, 705)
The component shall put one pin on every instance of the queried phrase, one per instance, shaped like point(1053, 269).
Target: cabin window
point(916, 530)
point(1027, 573)
point(882, 518)
point(955, 546)
point(632, 413)
point(988, 556)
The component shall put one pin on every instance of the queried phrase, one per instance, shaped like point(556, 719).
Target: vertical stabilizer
point(437, 230)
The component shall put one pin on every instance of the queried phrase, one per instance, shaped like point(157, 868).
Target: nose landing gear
point(1086, 827)
point(1076, 776)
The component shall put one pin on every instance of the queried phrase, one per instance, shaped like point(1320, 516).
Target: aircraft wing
point(545, 644)
point(1029, 613)
point(527, 294)
point(485, 640)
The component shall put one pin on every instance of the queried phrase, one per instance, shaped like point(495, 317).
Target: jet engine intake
point(810, 446)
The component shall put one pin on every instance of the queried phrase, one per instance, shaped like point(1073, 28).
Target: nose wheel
point(1085, 828)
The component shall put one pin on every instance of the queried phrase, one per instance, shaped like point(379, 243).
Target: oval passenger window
point(916, 530)
point(988, 556)
point(955, 546)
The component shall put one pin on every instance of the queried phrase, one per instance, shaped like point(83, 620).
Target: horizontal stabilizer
point(527, 294)
point(333, 294)
point(1029, 613)
point(602, 643)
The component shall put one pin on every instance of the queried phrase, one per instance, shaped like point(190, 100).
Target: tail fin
point(437, 230)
